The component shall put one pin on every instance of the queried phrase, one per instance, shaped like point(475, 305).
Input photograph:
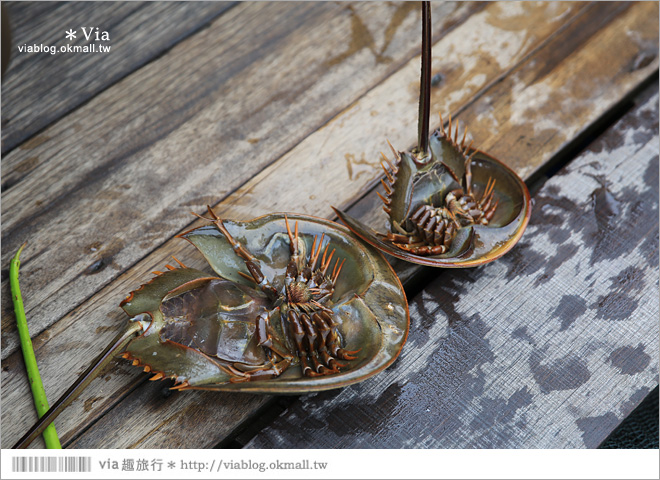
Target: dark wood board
point(382, 37)
point(549, 347)
point(123, 415)
point(200, 419)
point(60, 343)
point(39, 88)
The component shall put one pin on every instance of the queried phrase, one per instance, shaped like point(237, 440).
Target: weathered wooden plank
point(39, 88)
point(550, 347)
point(384, 34)
point(118, 190)
point(217, 421)
point(117, 383)
point(122, 415)
point(119, 414)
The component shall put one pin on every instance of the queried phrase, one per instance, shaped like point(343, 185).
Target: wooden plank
point(66, 348)
point(550, 347)
point(215, 412)
point(380, 31)
point(39, 88)
point(135, 169)
point(124, 418)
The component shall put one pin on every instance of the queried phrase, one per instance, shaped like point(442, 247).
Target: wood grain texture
point(252, 118)
point(263, 184)
point(186, 131)
point(542, 105)
point(39, 88)
point(216, 415)
point(551, 347)
point(340, 128)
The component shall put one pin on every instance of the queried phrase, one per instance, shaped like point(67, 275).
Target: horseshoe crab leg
point(251, 263)
point(97, 366)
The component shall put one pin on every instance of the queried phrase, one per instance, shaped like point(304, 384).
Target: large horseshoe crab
point(448, 204)
point(290, 308)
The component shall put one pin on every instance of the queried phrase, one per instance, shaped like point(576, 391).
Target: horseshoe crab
point(448, 204)
point(277, 317)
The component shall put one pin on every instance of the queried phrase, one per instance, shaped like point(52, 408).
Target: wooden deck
point(262, 107)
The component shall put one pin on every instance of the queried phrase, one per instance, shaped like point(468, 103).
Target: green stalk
point(38, 392)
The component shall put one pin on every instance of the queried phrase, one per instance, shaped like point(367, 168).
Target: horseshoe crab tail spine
point(97, 366)
point(425, 84)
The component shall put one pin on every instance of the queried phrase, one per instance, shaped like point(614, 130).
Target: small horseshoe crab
point(291, 309)
point(448, 204)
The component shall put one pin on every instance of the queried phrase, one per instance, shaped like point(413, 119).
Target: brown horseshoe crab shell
point(168, 333)
point(368, 304)
point(448, 204)
point(487, 242)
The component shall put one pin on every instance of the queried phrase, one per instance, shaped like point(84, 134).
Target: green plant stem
point(38, 392)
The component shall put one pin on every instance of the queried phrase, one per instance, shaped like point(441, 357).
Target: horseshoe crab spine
point(97, 366)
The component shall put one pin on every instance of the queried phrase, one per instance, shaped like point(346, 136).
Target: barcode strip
point(51, 464)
